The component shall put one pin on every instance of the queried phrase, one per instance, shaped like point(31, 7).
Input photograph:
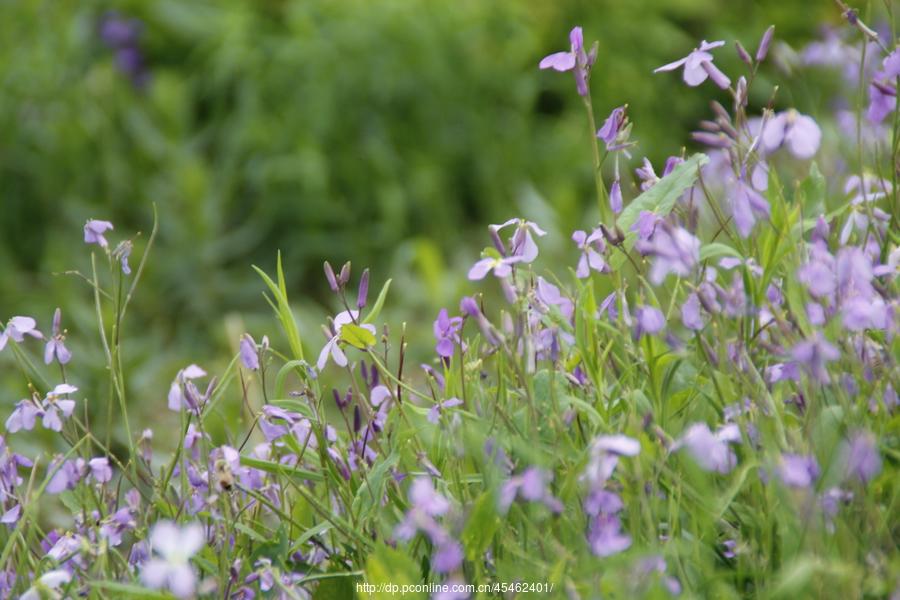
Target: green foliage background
point(384, 132)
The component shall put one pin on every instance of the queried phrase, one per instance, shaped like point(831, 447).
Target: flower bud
point(329, 275)
point(344, 277)
point(363, 290)
point(764, 43)
point(743, 54)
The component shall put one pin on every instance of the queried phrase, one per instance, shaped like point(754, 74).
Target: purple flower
point(531, 485)
point(177, 398)
point(94, 230)
point(746, 205)
point(100, 469)
point(616, 203)
point(66, 476)
point(645, 224)
point(799, 133)
point(711, 450)
point(448, 556)
point(434, 414)
point(615, 131)
point(502, 267)
point(576, 59)
point(23, 417)
point(56, 347)
point(122, 253)
point(674, 250)
point(814, 355)
point(248, 352)
point(690, 313)
point(446, 332)
point(332, 347)
point(605, 536)
point(861, 456)
point(799, 471)
point(649, 320)
point(883, 90)
point(591, 247)
point(694, 71)
point(17, 328)
point(604, 456)
point(170, 568)
point(550, 295)
point(522, 243)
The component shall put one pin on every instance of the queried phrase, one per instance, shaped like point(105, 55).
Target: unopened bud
point(329, 275)
point(743, 54)
point(764, 44)
point(363, 290)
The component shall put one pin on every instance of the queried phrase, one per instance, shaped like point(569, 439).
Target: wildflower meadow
point(694, 394)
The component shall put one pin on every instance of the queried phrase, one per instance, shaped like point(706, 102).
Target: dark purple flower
point(694, 73)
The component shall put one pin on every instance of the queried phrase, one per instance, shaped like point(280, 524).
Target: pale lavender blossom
point(47, 585)
point(690, 313)
point(531, 485)
point(861, 458)
point(746, 206)
point(177, 398)
point(693, 63)
point(522, 242)
point(883, 88)
point(815, 354)
point(121, 253)
point(170, 567)
point(434, 414)
point(501, 267)
point(56, 347)
point(711, 450)
point(100, 469)
point(550, 295)
point(616, 202)
point(591, 246)
point(332, 347)
point(800, 134)
point(605, 536)
point(674, 249)
point(649, 320)
point(645, 225)
point(249, 353)
point(94, 230)
point(798, 471)
point(16, 330)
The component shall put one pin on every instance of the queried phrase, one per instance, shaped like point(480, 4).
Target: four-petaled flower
point(16, 330)
point(170, 568)
point(576, 60)
point(94, 230)
point(592, 246)
point(332, 347)
point(694, 71)
point(56, 347)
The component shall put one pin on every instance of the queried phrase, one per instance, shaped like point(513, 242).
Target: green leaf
point(356, 336)
point(716, 249)
point(386, 568)
point(128, 590)
point(370, 492)
point(812, 192)
point(481, 526)
point(280, 469)
point(659, 199)
point(282, 308)
point(379, 302)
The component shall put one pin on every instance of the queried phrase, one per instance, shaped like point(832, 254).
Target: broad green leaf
point(659, 199)
point(481, 526)
point(356, 336)
point(387, 567)
point(717, 249)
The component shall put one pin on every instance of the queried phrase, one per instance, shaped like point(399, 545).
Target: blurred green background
point(384, 132)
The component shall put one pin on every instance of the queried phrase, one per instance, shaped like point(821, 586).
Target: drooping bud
point(764, 44)
point(363, 290)
point(615, 197)
point(329, 275)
